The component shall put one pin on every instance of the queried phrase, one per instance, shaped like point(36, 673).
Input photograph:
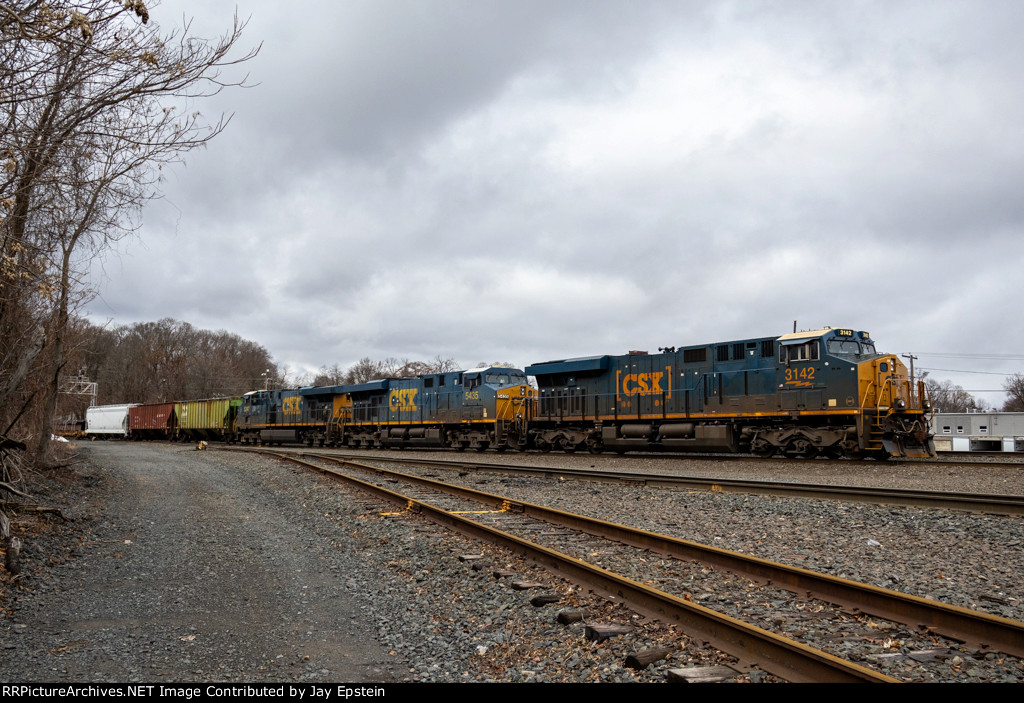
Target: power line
point(989, 373)
point(949, 355)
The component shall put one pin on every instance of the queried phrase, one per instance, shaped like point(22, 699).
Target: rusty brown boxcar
point(152, 421)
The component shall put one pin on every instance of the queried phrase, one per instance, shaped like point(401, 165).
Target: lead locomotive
point(823, 392)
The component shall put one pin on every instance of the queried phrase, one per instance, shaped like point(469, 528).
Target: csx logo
point(403, 400)
point(642, 383)
point(292, 406)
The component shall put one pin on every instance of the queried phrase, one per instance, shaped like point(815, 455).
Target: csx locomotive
point(824, 392)
point(478, 408)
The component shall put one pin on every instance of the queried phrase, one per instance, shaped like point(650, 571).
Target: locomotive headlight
point(901, 404)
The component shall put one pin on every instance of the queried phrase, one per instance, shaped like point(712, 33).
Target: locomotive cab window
point(846, 347)
point(808, 351)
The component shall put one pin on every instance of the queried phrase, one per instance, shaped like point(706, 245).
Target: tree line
point(170, 360)
point(367, 369)
point(948, 397)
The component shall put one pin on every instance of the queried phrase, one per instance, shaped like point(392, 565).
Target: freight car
point(105, 421)
point(152, 421)
point(213, 418)
point(824, 392)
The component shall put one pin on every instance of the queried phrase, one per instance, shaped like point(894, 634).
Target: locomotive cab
point(891, 410)
point(507, 395)
point(895, 409)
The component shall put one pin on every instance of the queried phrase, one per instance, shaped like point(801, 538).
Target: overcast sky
point(523, 181)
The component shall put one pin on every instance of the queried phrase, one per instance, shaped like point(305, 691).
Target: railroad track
point(993, 504)
point(983, 459)
point(518, 525)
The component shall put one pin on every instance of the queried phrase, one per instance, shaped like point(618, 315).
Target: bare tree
point(440, 364)
point(948, 397)
point(94, 100)
point(1014, 387)
point(498, 364)
point(170, 360)
point(366, 369)
point(332, 376)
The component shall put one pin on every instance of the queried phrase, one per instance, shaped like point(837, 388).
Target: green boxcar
point(207, 419)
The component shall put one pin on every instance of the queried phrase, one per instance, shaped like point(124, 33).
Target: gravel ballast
point(181, 565)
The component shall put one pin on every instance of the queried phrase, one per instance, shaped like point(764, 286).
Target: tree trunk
point(59, 328)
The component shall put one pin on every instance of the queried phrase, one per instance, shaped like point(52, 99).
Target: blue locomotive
point(826, 392)
point(284, 416)
point(474, 409)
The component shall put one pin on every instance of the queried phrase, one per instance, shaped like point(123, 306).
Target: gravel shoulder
point(178, 565)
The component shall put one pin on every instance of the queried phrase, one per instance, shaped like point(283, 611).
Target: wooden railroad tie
point(700, 674)
point(600, 633)
point(641, 659)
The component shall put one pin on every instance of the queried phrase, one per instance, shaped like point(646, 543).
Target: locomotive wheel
point(801, 448)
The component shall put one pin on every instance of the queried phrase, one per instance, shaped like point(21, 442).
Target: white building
point(979, 432)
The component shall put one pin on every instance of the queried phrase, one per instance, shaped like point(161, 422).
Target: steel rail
point(943, 458)
point(988, 503)
point(979, 630)
point(786, 658)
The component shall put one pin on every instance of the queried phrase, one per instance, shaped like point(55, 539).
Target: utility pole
point(911, 357)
